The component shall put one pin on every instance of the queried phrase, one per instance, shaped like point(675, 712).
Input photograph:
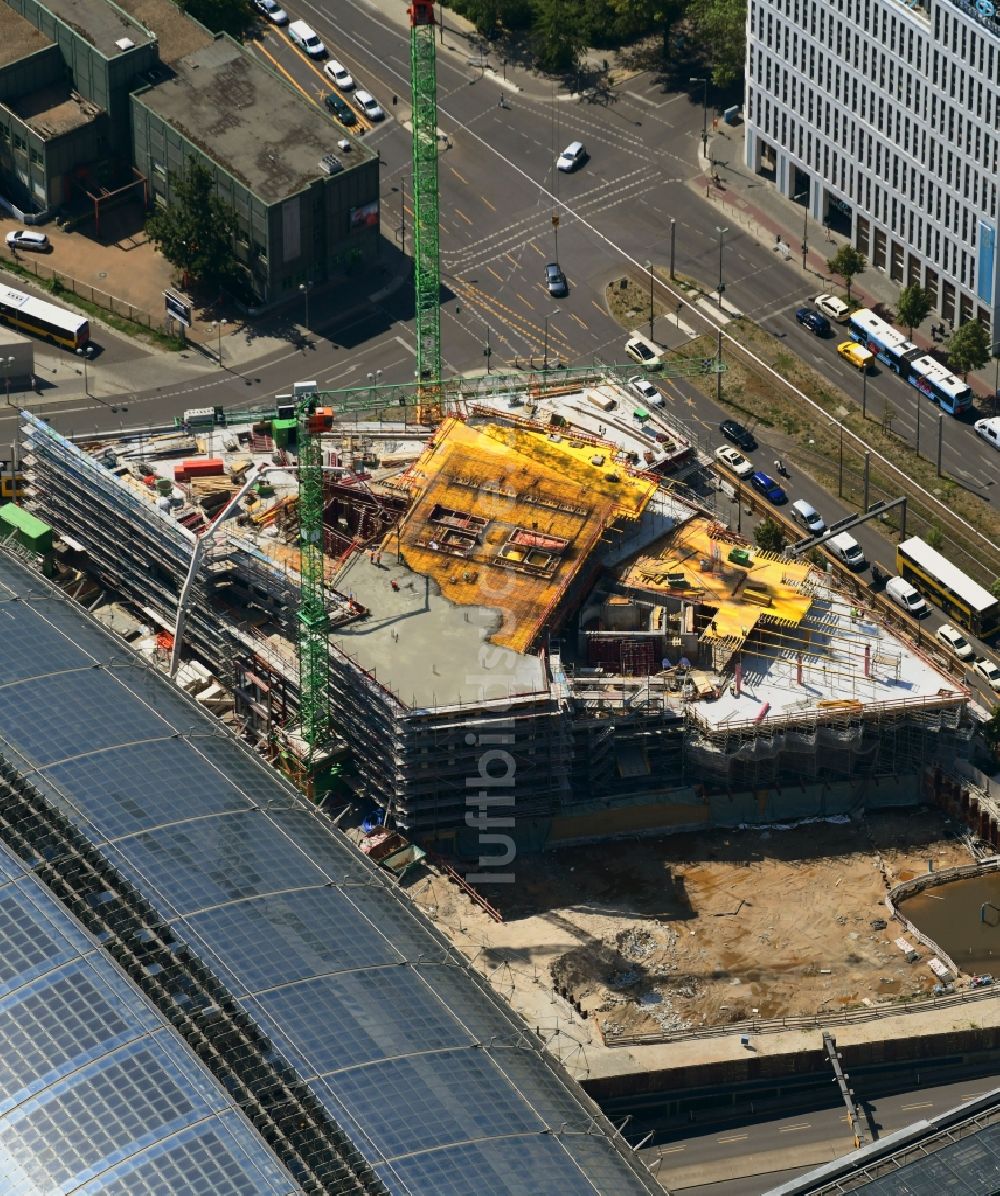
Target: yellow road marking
point(926, 1104)
point(670, 1149)
point(457, 175)
point(487, 202)
point(498, 277)
point(362, 122)
point(578, 320)
point(459, 212)
point(733, 1138)
point(540, 252)
point(790, 1129)
point(599, 308)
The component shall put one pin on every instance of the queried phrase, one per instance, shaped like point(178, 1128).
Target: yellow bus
point(40, 318)
point(948, 587)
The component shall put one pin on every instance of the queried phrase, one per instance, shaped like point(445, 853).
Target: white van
point(845, 548)
point(904, 595)
point(306, 38)
point(989, 429)
point(806, 514)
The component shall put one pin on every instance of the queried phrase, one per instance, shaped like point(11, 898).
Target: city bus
point(910, 362)
point(948, 587)
point(887, 343)
point(44, 319)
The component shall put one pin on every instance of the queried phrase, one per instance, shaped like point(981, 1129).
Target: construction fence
point(64, 282)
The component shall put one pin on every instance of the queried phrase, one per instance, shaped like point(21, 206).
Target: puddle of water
point(950, 914)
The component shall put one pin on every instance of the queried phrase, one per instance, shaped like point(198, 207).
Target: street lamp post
point(704, 113)
point(86, 377)
point(722, 237)
point(218, 325)
point(304, 288)
point(545, 344)
point(649, 267)
point(402, 212)
point(805, 224)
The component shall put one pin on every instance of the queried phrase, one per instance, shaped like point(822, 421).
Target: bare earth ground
point(695, 930)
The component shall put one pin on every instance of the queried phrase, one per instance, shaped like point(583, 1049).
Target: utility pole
point(722, 236)
point(940, 440)
point(704, 113)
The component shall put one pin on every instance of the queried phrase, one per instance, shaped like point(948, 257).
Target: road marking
point(459, 212)
point(599, 308)
point(498, 277)
point(790, 1129)
point(458, 176)
point(733, 1138)
point(927, 1104)
point(540, 252)
point(487, 202)
point(406, 345)
point(671, 1149)
point(579, 321)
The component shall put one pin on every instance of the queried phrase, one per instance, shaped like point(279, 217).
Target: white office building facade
point(884, 119)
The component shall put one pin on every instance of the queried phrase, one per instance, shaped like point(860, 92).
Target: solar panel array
point(432, 1079)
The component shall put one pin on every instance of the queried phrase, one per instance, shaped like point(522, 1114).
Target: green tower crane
point(426, 236)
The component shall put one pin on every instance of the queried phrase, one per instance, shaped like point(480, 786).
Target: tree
point(968, 347)
point(642, 15)
point(995, 587)
point(847, 263)
point(769, 535)
point(914, 306)
point(556, 35)
point(195, 232)
point(720, 27)
point(234, 17)
point(934, 537)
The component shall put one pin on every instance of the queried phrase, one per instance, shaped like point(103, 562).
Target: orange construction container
point(204, 467)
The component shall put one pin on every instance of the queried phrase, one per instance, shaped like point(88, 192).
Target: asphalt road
point(779, 1147)
point(499, 191)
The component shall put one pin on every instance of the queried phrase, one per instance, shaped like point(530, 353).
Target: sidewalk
point(755, 205)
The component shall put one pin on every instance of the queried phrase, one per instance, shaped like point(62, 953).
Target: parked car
point(644, 352)
point(27, 238)
point(341, 109)
point(989, 673)
point(989, 429)
point(306, 38)
point(368, 105)
point(742, 437)
point(832, 307)
point(276, 15)
point(855, 354)
point(555, 280)
point(647, 391)
point(812, 320)
point(339, 74)
point(806, 514)
point(733, 459)
point(952, 638)
point(767, 486)
point(573, 155)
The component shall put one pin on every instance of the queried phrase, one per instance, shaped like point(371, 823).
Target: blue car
point(812, 320)
point(768, 487)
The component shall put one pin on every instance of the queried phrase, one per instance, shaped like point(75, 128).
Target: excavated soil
point(697, 930)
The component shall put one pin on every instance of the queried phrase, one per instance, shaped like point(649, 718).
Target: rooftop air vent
point(125, 43)
point(331, 164)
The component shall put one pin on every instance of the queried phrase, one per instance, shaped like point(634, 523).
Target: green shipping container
point(283, 431)
point(31, 532)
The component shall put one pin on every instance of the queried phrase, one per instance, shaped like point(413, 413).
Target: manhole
point(102, 274)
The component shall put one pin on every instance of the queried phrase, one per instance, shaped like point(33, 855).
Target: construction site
point(500, 583)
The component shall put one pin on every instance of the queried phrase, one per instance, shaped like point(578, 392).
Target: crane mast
point(426, 235)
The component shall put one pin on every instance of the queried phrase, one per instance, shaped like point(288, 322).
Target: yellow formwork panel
point(694, 565)
point(512, 480)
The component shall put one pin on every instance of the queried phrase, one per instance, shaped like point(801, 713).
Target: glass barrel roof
point(97, 1093)
point(436, 1084)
